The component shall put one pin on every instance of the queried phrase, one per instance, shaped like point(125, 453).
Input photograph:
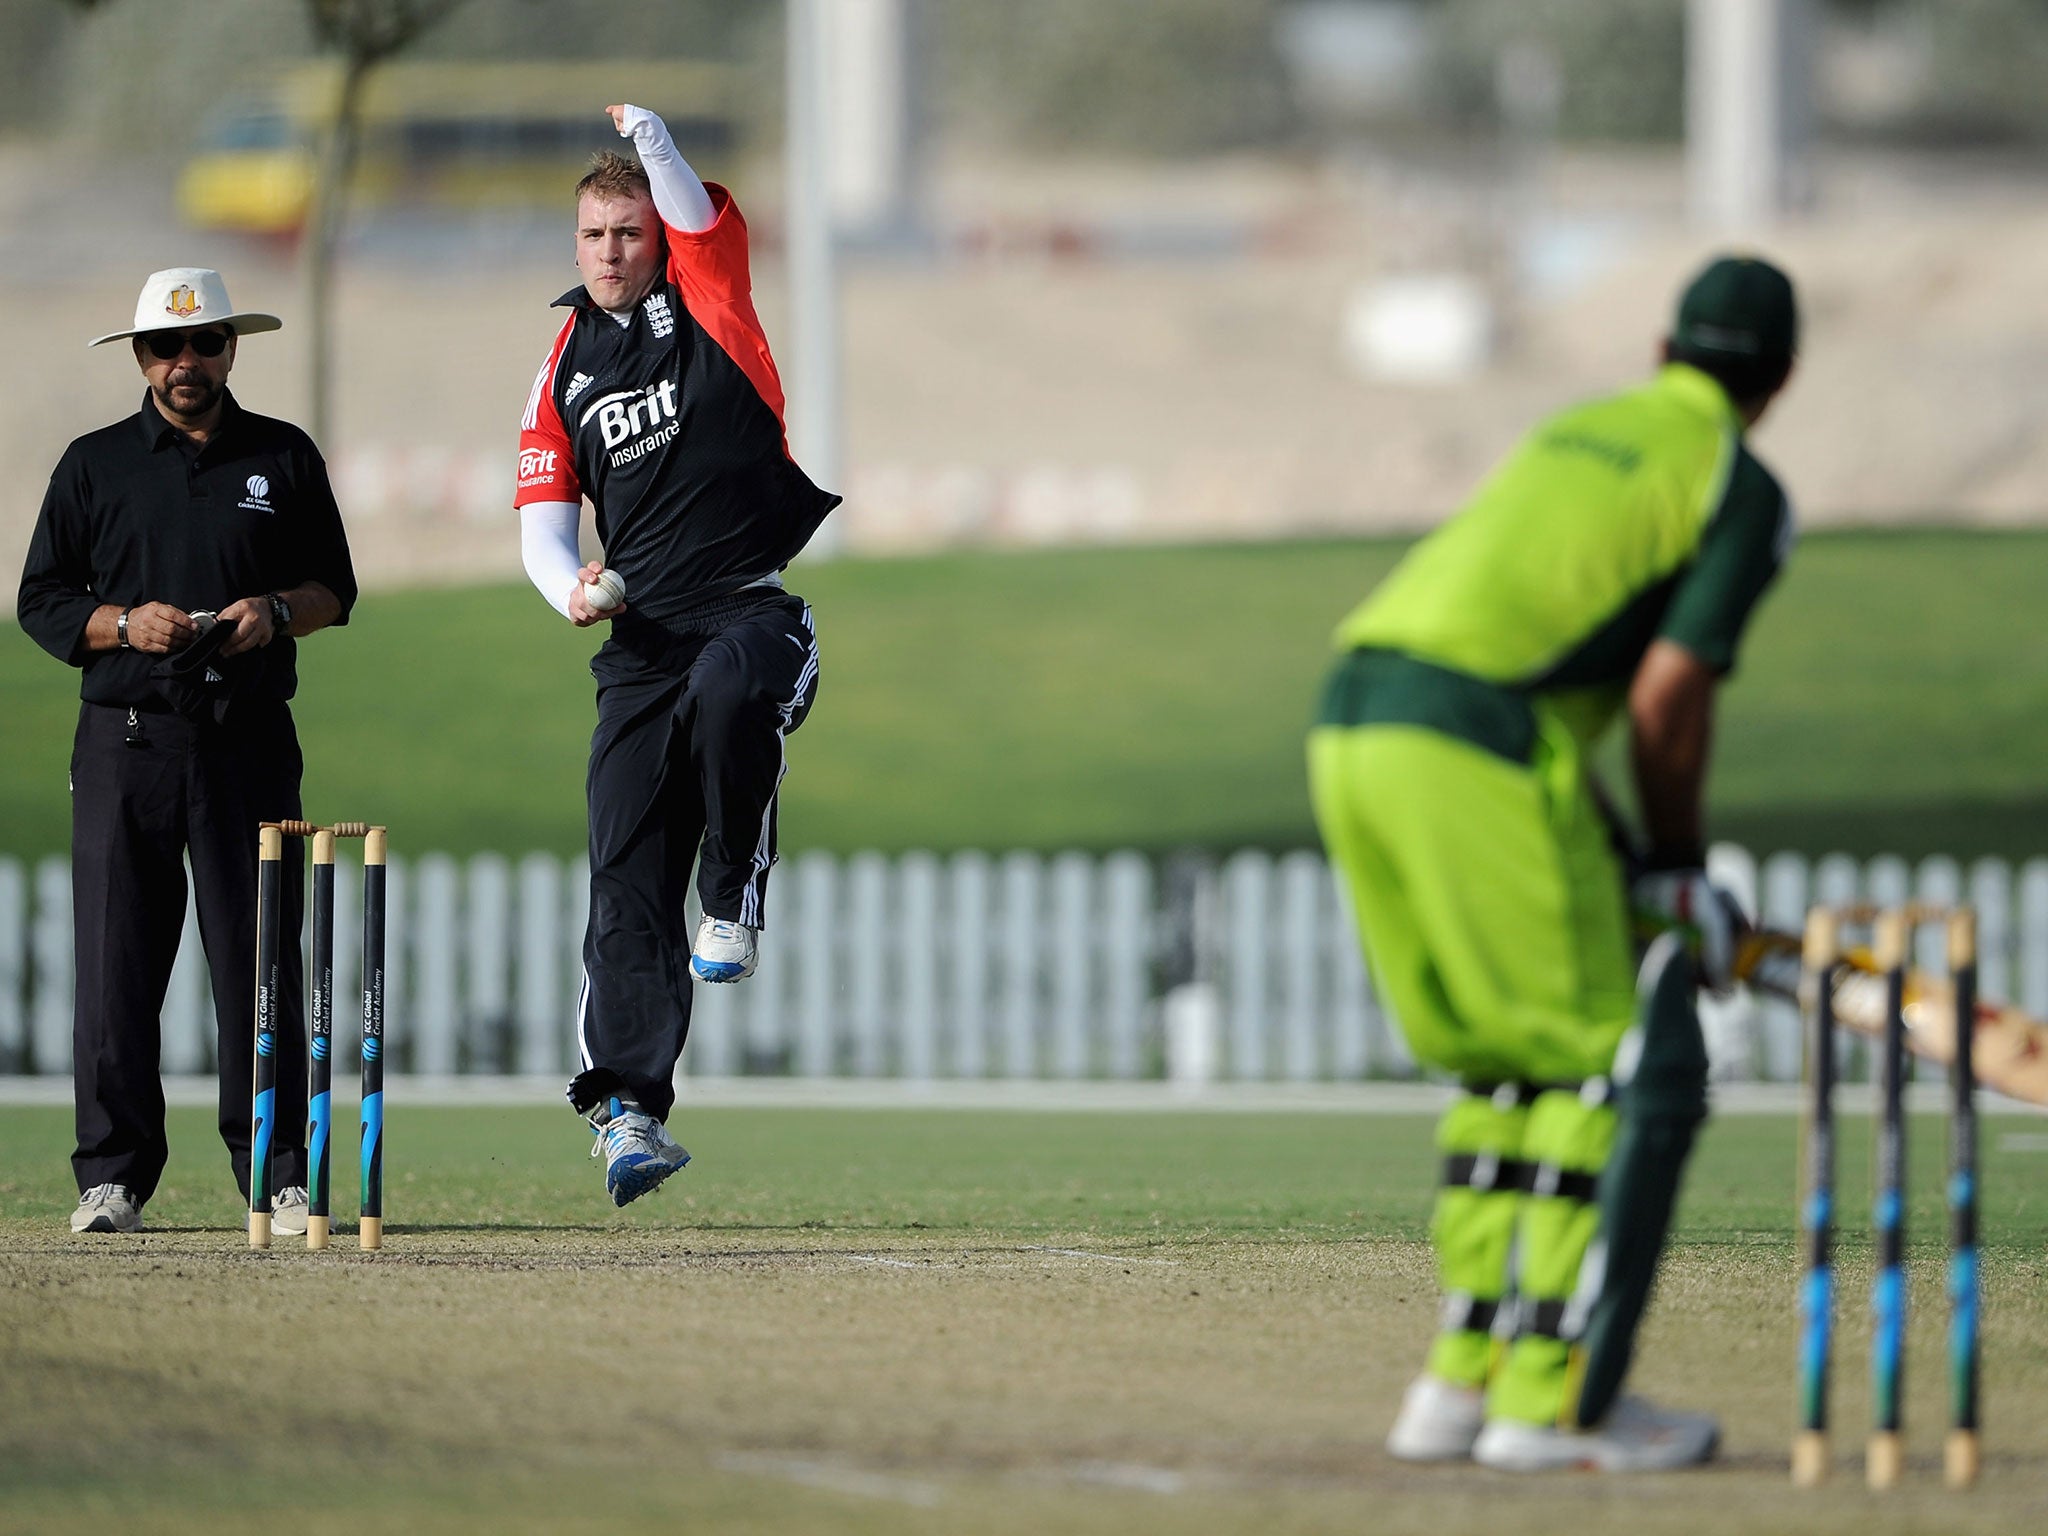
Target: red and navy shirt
point(672, 426)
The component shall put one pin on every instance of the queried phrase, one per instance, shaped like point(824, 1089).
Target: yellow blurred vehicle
point(444, 135)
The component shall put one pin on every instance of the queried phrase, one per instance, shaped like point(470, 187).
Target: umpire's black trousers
point(687, 751)
point(147, 789)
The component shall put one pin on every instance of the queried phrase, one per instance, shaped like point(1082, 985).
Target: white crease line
point(869, 1258)
point(1124, 1474)
point(2023, 1141)
point(1082, 1253)
point(819, 1474)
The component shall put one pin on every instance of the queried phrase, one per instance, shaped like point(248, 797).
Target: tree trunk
point(325, 216)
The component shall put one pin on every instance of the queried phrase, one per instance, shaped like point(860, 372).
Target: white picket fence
point(970, 965)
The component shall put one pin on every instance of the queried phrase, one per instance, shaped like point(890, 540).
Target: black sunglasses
point(165, 345)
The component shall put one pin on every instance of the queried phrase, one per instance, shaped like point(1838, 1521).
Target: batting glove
point(1710, 918)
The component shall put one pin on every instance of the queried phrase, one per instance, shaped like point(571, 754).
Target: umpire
point(178, 553)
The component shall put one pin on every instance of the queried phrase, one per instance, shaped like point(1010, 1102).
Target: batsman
point(1608, 568)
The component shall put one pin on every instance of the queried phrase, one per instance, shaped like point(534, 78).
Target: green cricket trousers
point(1495, 925)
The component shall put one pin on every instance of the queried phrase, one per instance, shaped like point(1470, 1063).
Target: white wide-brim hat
point(178, 297)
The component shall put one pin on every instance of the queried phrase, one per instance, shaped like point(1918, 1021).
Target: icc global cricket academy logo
point(258, 499)
point(183, 303)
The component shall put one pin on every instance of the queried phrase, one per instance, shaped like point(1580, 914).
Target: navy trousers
point(149, 790)
point(684, 768)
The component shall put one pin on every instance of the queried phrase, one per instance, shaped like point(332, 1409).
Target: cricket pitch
point(912, 1322)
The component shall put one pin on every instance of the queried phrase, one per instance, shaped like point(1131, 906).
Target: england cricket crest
point(183, 303)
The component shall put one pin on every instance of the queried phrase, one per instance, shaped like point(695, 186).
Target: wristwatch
point(280, 613)
point(121, 630)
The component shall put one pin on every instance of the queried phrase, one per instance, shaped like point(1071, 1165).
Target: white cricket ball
point(608, 591)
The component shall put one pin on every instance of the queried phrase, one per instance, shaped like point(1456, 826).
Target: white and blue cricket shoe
point(724, 951)
point(1636, 1436)
point(1439, 1421)
point(637, 1149)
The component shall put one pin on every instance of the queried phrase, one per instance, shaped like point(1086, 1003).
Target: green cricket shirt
point(1617, 522)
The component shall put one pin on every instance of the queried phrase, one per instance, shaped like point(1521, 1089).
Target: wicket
point(320, 1005)
point(1892, 931)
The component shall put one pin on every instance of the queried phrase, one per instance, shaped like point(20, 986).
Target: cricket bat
point(2010, 1048)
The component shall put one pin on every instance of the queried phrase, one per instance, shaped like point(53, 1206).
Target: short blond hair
point(612, 178)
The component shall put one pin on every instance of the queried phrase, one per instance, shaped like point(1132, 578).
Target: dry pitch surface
point(913, 1322)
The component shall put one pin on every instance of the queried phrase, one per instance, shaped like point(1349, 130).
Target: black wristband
point(1676, 856)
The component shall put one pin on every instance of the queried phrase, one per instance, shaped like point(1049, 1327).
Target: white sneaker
point(107, 1208)
point(1438, 1421)
point(288, 1211)
point(1636, 1436)
point(638, 1151)
point(723, 951)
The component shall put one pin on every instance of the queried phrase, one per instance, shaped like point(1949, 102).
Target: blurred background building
point(1068, 271)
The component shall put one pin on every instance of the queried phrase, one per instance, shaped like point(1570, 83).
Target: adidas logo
point(577, 385)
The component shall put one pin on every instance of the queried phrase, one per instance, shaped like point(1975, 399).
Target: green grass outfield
point(1894, 697)
point(920, 1321)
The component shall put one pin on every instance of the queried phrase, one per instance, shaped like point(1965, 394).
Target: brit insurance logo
point(258, 499)
point(634, 422)
point(660, 320)
point(537, 467)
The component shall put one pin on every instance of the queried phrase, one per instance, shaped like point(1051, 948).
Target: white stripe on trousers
point(755, 890)
point(582, 1022)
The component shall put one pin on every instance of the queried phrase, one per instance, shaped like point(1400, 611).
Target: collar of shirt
point(1701, 392)
point(158, 433)
point(579, 298)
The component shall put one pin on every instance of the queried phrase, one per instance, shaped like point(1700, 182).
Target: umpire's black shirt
point(139, 513)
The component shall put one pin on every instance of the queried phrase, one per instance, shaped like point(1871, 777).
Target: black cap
point(1739, 310)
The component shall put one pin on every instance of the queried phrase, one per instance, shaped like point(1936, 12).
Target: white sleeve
point(679, 197)
point(547, 543)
